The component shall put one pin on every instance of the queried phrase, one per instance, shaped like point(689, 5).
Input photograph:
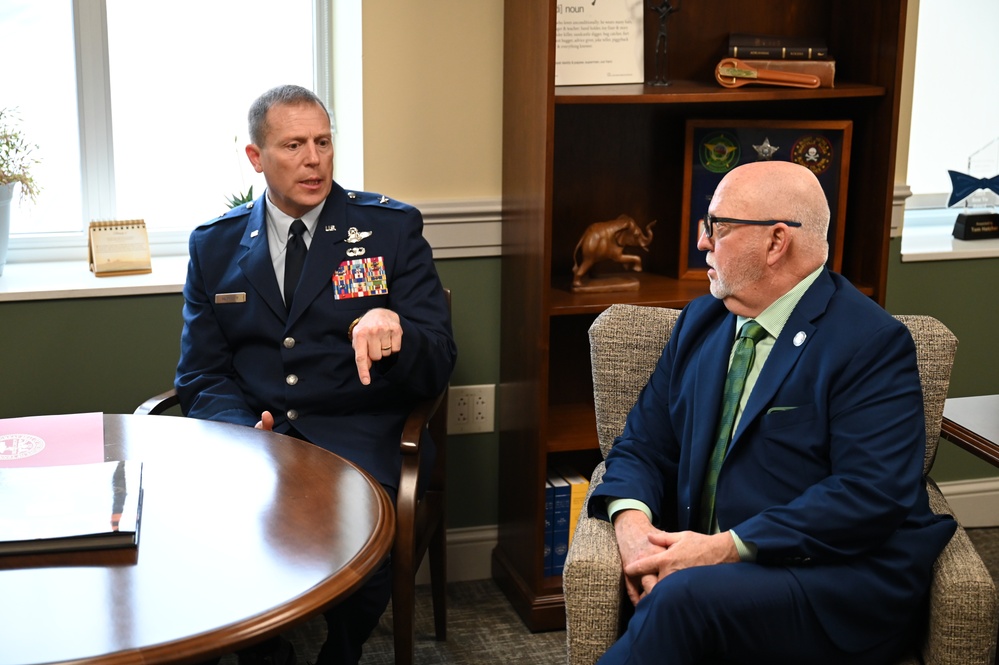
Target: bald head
point(785, 191)
point(750, 264)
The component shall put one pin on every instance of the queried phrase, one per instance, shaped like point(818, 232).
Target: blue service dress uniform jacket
point(242, 353)
point(824, 471)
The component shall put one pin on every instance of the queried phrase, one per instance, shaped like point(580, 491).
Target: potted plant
point(16, 162)
point(239, 198)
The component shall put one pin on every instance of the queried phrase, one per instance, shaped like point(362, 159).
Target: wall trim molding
point(901, 193)
point(975, 502)
point(463, 229)
point(469, 555)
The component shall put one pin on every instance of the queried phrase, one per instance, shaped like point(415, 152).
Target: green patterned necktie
point(742, 360)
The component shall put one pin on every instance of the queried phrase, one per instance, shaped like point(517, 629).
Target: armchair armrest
point(154, 406)
point(410, 519)
point(592, 585)
point(963, 604)
point(417, 420)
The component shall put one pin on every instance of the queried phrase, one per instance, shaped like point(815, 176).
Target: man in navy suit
point(820, 544)
point(337, 356)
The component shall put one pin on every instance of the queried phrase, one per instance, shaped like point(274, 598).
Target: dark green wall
point(962, 294)
point(473, 458)
point(87, 354)
point(109, 354)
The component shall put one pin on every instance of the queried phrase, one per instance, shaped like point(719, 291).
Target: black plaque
point(976, 226)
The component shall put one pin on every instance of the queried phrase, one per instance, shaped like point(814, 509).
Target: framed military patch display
point(715, 147)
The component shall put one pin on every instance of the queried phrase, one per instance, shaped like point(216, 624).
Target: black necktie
point(294, 260)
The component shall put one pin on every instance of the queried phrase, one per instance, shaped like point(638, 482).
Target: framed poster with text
point(715, 147)
point(599, 42)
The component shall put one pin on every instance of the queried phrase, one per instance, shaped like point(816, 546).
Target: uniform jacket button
point(289, 342)
point(291, 379)
point(292, 414)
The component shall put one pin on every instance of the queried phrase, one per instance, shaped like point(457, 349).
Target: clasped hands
point(376, 335)
point(648, 554)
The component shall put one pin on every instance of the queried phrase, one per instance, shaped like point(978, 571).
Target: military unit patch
point(359, 278)
point(814, 153)
point(720, 152)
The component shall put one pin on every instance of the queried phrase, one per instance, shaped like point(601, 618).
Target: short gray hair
point(282, 94)
point(811, 207)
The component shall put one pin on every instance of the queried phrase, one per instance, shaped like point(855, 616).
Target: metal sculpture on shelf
point(606, 241)
point(663, 8)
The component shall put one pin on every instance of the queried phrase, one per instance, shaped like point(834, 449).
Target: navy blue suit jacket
point(824, 472)
point(242, 353)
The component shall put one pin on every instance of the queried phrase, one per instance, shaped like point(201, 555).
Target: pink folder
point(74, 438)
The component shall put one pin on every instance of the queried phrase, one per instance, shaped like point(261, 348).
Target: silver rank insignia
point(384, 199)
point(353, 235)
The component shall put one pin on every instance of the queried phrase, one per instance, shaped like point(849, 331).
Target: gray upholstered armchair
point(625, 344)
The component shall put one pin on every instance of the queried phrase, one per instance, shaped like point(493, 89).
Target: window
point(44, 93)
point(954, 95)
point(139, 109)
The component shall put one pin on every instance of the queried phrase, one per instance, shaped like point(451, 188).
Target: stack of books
point(801, 55)
point(565, 492)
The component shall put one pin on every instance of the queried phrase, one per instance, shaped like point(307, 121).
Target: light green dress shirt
point(773, 319)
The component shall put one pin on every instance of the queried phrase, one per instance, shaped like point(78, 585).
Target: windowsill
point(468, 228)
point(54, 280)
point(927, 235)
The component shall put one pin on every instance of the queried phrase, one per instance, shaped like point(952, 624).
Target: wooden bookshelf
point(574, 155)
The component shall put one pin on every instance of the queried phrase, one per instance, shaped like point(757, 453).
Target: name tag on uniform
point(227, 298)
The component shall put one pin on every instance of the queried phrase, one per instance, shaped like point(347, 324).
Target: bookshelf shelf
point(703, 92)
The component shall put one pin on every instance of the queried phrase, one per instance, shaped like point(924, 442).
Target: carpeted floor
point(483, 627)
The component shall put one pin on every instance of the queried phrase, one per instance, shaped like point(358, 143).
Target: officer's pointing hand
point(377, 335)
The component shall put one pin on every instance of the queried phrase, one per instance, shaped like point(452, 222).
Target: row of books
point(768, 47)
point(565, 492)
point(798, 55)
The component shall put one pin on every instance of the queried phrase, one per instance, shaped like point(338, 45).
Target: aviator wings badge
point(353, 235)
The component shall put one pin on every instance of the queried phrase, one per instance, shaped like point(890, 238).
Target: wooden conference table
point(243, 533)
point(973, 424)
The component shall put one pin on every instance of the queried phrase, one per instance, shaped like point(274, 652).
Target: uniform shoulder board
point(375, 199)
point(238, 211)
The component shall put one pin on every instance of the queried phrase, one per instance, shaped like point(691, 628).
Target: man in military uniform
point(337, 356)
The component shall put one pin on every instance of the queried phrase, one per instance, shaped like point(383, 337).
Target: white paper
point(599, 42)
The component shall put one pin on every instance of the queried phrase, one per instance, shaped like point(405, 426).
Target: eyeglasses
point(709, 221)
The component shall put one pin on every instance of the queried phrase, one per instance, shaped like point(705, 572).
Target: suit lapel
point(782, 359)
point(794, 338)
point(326, 252)
point(256, 262)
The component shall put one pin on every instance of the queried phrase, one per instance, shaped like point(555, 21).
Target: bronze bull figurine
point(606, 241)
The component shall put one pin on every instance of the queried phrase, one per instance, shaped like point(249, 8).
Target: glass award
point(978, 192)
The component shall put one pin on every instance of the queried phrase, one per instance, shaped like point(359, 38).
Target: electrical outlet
point(471, 409)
